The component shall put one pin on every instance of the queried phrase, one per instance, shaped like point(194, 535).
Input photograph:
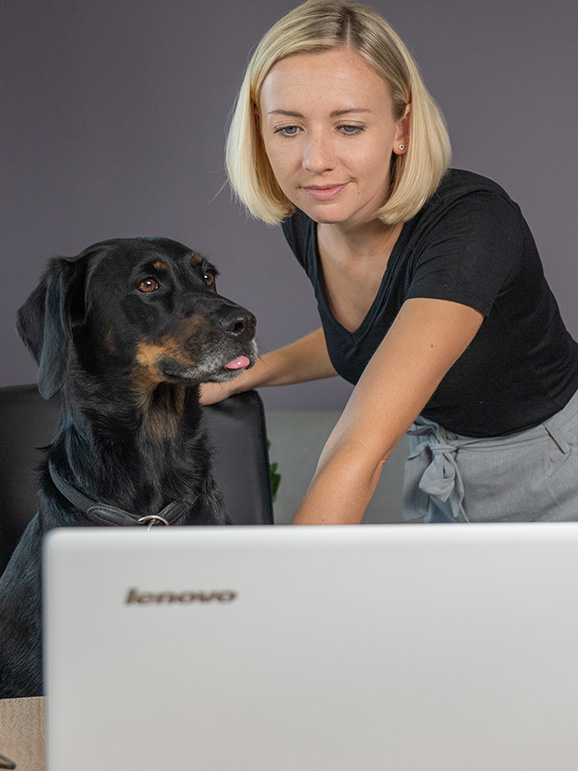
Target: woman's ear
point(401, 142)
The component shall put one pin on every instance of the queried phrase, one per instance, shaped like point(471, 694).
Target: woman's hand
point(425, 340)
point(211, 393)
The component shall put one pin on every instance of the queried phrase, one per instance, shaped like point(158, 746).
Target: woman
point(430, 290)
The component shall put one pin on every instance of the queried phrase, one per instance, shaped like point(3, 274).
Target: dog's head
point(146, 305)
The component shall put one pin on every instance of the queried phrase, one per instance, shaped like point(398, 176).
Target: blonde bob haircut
point(316, 26)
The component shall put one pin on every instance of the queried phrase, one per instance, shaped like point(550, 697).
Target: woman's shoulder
point(458, 183)
point(466, 197)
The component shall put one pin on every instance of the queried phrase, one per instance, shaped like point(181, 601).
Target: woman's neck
point(367, 242)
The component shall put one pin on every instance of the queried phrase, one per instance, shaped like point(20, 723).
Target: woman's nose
point(318, 154)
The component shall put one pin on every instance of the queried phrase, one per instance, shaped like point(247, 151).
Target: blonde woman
point(429, 286)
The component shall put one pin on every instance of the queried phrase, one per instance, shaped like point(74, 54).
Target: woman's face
point(328, 131)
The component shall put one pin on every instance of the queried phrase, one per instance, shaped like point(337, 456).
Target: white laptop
point(377, 648)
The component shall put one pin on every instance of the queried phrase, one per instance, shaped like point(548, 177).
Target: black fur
point(126, 331)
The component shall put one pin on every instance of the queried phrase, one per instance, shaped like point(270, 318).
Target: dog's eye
point(148, 285)
point(209, 277)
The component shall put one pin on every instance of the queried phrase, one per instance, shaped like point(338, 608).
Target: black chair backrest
point(237, 433)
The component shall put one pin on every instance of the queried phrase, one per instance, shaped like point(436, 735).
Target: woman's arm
point(425, 340)
point(304, 360)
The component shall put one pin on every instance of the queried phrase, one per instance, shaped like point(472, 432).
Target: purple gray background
point(113, 117)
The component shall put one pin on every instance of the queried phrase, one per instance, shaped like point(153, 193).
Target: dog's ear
point(46, 320)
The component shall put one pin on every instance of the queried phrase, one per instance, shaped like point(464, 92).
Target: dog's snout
point(240, 323)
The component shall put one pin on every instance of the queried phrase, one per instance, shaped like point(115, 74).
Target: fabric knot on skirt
point(431, 471)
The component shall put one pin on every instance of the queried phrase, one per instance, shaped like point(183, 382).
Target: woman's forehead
point(338, 75)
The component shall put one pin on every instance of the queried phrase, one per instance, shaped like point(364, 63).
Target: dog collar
point(111, 515)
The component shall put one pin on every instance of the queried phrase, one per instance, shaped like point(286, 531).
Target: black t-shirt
point(470, 244)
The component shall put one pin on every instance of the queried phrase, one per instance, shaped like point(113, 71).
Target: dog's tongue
point(239, 363)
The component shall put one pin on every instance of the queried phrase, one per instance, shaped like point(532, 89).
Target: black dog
point(127, 330)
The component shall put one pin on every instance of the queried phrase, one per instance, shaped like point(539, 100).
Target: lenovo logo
point(136, 597)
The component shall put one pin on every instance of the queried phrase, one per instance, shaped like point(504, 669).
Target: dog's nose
point(239, 323)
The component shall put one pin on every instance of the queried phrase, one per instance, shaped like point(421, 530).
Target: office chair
point(236, 430)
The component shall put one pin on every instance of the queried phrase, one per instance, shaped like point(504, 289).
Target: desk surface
point(22, 733)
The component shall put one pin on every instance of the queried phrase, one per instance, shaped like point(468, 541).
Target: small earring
point(402, 147)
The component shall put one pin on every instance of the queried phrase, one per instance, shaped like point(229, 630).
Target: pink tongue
point(239, 363)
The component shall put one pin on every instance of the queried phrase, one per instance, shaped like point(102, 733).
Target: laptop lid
point(405, 648)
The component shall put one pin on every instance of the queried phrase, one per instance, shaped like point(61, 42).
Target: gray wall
point(113, 122)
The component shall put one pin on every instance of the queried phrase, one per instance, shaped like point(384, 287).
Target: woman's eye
point(209, 277)
point(148, 285)
point(288, 131)
point(351, 129)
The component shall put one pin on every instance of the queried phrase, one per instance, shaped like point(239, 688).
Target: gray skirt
point(529, 476)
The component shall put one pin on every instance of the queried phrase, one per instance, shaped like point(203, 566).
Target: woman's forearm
point(342, 487)
point(345, 505)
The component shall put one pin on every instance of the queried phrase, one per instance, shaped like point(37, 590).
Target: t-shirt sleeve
point(470, 253)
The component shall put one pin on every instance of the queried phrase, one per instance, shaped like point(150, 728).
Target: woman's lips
point(325, 192)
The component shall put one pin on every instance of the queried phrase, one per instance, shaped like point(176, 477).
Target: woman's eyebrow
point(348, 110)
point(291, 113)
point(333, 114)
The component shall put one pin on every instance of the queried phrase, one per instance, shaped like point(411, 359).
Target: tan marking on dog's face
point(160, 265)
point(148, 355)
point(196, 259)
point(170, 345)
